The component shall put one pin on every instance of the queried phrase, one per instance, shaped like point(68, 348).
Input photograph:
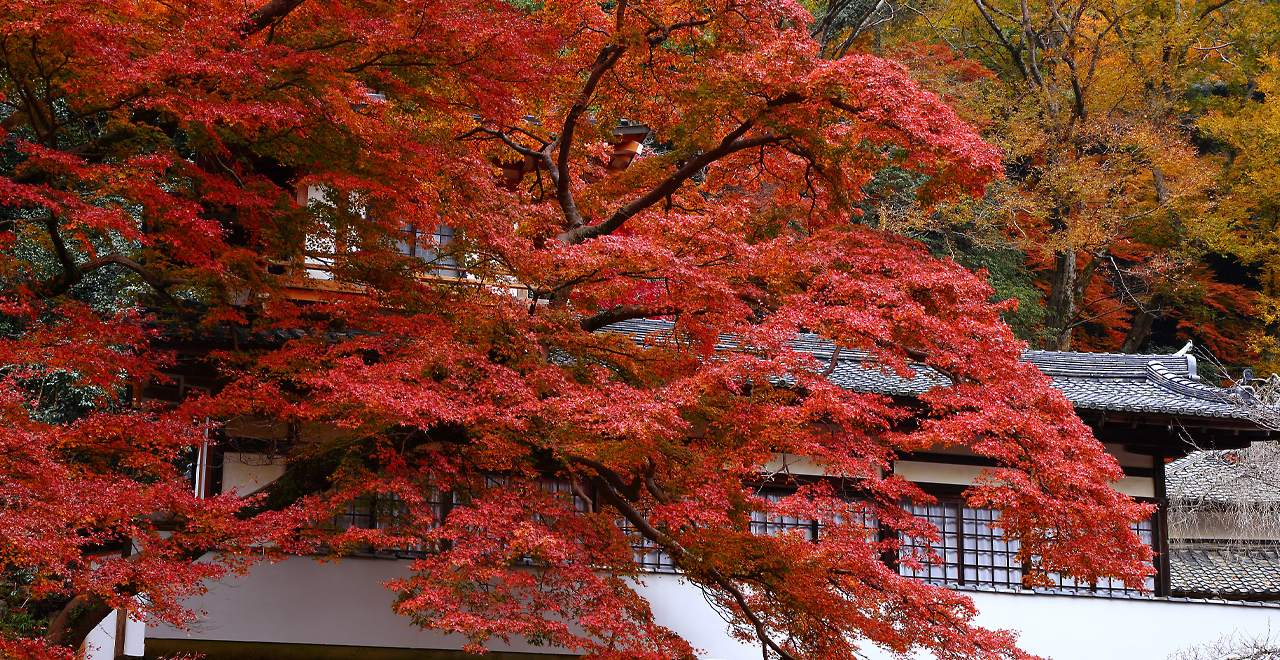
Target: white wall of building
point(302, 601)
point(1084, 627)
point(101, 642)
point(247, 473)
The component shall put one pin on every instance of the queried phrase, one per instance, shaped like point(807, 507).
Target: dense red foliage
point(159, 150)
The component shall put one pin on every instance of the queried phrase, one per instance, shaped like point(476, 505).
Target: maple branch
point(506, 139)
point(541, 141)
point(1029, 38)
point(919, 356)
point(76, 620)
point(733, 142)
point(268, 15)
point(835, 362)
point(147, 276)
point(1015, 52)
point(605, 481)
point(660, 33)
point(630, 491)
point(820, 27)
point(608, 56)
point(73, 273)
point(619, 313)
point(843, 48)
point(622, 8)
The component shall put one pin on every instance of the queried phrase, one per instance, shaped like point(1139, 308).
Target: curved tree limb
point(604, 481)
point(621, 313)
point(267, 16)
point(733, 142)
point(609, 56)
point(73, 273)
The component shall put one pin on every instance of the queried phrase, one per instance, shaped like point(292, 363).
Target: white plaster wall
point(1058, 627)
point(246, 473)
point(135, 635)
point(101, 642)
point(937, 473)
point(792, 464)
point(302, 601)
point(964, 475)
point(305, 602)
point(1136, 486)
point(1219, 525)
point(1087, 628)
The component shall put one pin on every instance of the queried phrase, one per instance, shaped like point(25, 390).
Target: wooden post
point(1160, 526)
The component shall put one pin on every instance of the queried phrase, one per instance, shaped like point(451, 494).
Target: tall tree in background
point(1243, 127)
point(172, 171)
point(1115, 194)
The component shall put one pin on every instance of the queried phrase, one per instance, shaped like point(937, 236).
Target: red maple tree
point(173, 172)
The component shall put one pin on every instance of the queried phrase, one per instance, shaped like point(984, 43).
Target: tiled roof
point(1159, 384)
point(1245, 572)
point(1156, 384)
point(1232, 476)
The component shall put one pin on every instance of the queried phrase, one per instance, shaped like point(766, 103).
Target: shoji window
point(974, 553)
point(764, 524)
point(386, 512)
point(428, 247)
point(1109, 587)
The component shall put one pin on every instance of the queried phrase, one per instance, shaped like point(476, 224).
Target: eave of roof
point(1142, 384)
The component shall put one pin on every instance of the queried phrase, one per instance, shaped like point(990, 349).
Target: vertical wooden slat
point(1160, 527)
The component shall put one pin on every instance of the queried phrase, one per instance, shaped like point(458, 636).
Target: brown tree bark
point(1138, 330)
point(1066, 296)
point(1062, 304)
point(76, 620)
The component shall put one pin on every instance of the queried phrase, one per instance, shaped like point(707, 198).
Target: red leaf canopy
point(172, 171)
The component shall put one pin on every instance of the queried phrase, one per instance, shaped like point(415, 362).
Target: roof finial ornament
point(1185, 349)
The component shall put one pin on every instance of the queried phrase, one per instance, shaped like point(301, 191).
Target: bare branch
point(678, 553)
point(73, 273)
point(1015, 52)
point(835, 361)
point(1214, 7)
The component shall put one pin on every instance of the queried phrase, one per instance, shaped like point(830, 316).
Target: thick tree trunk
point(76, 620)
point(1138, 331)
point(1061, 307)
point(1067, 295)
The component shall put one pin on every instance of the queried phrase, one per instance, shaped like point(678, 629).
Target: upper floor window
point(432, 247)
point(972, 550)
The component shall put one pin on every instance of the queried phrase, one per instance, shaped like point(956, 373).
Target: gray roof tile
point(1233, 476)
point(1225, 572)
point(1154, 384)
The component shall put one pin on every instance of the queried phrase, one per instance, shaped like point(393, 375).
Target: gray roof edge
point(1101, 378)
point(1162, 376)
